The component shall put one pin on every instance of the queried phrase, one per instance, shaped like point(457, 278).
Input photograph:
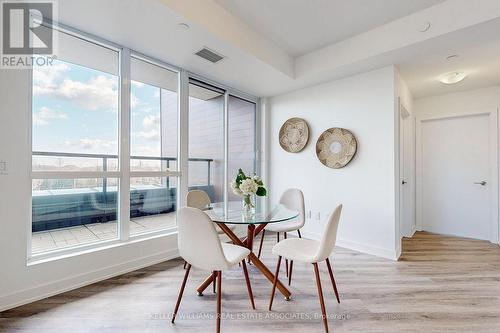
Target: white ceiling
point(302, 26)
point(478, 51)
point(255, 65)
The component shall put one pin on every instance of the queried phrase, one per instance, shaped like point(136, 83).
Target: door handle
point(403, 182)
point(482, 183)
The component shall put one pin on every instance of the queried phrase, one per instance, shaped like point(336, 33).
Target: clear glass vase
point(248, 207)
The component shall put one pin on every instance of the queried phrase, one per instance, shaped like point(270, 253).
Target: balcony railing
point(64, 207)
point(106, 157)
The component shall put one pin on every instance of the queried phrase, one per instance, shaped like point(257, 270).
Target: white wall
point(460, 102)
point(20, 282)
point(364, 104)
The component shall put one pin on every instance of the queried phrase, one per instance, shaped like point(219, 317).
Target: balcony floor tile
point(51, 240)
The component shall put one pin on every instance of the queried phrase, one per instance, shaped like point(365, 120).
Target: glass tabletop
point(234, 214)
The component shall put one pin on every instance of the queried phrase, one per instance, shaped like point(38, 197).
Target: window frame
point(123, 174)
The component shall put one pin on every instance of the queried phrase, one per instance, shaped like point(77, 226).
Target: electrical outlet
point(318, 216)
point(3, 168)
point(309, 214)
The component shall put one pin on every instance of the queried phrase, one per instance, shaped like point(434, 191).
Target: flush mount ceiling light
point(452, 78)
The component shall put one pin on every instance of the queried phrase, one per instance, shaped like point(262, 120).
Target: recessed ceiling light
point(452, 78)
point(423, 27)
point(183, 26)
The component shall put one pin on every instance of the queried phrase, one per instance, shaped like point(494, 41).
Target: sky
point(75, 109)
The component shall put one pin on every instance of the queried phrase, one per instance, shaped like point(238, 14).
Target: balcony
point(66, 213)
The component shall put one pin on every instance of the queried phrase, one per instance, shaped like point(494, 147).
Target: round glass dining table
point(233, 214)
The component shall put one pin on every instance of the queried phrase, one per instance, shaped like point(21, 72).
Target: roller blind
point(81, 52)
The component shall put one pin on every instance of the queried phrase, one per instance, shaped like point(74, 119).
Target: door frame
point(492, 113)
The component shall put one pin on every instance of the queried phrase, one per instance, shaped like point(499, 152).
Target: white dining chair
point(200, 246)
point(200, 199)
point(292, 199)
point(311, 251)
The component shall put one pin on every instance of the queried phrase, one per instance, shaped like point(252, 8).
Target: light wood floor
point(441, 284)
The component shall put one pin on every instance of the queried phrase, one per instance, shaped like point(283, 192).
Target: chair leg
point(181, 292)
point(219, 296)
point(286, 260)
point(185, 264)
point(332, 279)
point(298, 230)
point(261, 242)
point(275, 282)
point(214, 274)
point(249, 286)
point(320, 295)
point(278, 237)
point(290, 274)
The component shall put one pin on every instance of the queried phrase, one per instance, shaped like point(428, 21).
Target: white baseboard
point(413, 231)
point(369, 249)
point(360, 247)
point(398, 252)
point(30, 295)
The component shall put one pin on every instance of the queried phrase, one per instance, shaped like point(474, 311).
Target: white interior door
point(405, 172)
point(457, 177)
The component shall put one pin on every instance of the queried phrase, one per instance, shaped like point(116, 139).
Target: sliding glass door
point(206, 139)
point(222, 139)
point(241, 139)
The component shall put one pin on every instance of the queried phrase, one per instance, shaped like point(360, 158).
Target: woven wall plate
point(336, 147)
point(294, 134)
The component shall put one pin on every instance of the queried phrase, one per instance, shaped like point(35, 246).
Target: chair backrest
point(329, 235)
point(294, 199)
point(199, 243)
point(197, 199)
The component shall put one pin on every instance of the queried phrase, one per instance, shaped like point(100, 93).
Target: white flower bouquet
point(248, 187)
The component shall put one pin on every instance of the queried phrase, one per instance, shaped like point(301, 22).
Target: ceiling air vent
point(209, 55)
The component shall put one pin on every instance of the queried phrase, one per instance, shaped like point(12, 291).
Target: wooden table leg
point(208, 281)
point(253, 258)
point(250, 234)
point(257, 231)
point(269, 275)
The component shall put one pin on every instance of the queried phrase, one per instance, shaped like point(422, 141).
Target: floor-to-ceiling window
point(106, 132)
point(153, 146)
point(75, 146)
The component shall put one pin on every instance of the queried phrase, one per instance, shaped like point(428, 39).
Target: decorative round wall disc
point(336, 147)
point(294, 135)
